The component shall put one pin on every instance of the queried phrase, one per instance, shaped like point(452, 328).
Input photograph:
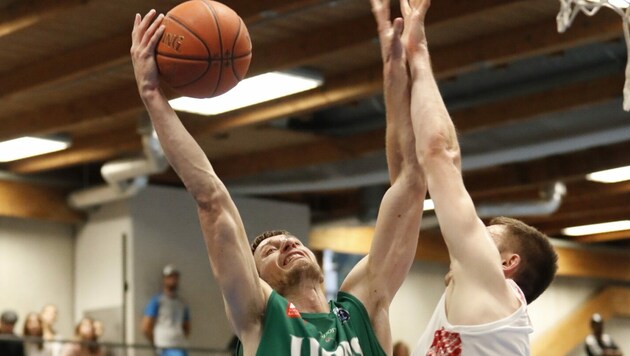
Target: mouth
point(292, 257)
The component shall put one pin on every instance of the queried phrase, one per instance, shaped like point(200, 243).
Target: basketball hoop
point(570, 8)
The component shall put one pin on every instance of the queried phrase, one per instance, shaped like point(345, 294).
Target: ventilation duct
point(125, 177)
point(547, 205)
point(550, 202)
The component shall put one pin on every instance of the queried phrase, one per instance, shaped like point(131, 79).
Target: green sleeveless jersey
point(344, 331)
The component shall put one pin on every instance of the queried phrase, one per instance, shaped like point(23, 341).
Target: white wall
point(99, 266)
point(36, 268)
point(413, 305)
point(260, 215)
point(415, 301)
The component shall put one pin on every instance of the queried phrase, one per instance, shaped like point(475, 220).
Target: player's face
point(282, 258)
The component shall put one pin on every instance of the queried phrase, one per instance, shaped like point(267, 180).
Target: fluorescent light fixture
point(610, 175)
point(250, 91)
point(428, 204)
point(27, 146)
point(597, 228)
point(620, 4)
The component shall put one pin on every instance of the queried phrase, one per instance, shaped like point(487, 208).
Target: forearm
point(400, 142)
point(432, 125)
point(182, 151)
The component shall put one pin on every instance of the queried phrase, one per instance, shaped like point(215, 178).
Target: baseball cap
point(9, 317)
point(169, 270)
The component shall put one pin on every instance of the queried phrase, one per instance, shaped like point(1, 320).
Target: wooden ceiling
point(65, 69)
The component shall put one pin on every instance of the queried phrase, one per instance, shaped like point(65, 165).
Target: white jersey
point(507, 336)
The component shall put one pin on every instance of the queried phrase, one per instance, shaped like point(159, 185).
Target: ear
point(509, 263)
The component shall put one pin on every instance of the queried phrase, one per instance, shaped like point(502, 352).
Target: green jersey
point(344, 331)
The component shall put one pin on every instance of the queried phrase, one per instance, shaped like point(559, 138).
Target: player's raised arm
point(377, 278)
point(227, 246)
point(475, 259)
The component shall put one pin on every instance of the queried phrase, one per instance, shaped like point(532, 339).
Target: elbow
point(209, 195)
point(438, 148)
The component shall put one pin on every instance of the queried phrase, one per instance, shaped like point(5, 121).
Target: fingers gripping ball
point(205, 49)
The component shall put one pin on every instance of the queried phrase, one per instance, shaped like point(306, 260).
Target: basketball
point(205, 49)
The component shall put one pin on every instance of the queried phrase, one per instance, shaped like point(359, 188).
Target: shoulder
point(153, 305)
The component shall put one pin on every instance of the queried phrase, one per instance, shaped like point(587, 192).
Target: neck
point(307, 297)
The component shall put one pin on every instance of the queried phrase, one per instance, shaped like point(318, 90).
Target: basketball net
point(570, 8)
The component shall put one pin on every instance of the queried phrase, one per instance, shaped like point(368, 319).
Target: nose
point(288, 244)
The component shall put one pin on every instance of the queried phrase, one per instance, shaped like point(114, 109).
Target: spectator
point(598, 343)
point(10, 344)
point(48, 316)
point(166, 321)
point(85, 341)
point(34, 336)
point(401, 349)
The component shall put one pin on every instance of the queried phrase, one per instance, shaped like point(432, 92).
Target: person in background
point(401, 349)
point(598, 343)
point(33, 334)
point(48, 316)
point(166, 321)
point(10, 344)
point(85, 341)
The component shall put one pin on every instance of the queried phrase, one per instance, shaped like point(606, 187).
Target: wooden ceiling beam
point(58, 118)
point(343, 89)
point(527, 41)
point(19, 15)
point(105, 54)
point(35, 201)
point(562, 98)
point(67, 66)
point(319, 152)
point(357, 85)
point(561, 167)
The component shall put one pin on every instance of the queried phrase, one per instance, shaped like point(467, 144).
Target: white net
point(569, 10)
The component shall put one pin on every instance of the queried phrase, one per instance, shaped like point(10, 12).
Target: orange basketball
point(205, 49)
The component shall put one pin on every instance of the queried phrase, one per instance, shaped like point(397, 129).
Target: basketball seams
point(220, 37)
point(238, 33)
point(217, 70)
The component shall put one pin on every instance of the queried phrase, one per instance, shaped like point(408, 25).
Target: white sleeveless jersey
point(507, 336)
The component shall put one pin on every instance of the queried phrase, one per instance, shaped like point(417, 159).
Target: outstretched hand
point(414, 13)
point(145, 36)
point(389, 32)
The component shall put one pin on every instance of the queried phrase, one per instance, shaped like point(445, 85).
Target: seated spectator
point(598, 343)
point(33, 335)
point(86, 343)
point(10, 344)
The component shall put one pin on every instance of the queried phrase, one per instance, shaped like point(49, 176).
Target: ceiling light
point(250, 91)
point(597, 228)
point(610, 175)
point(24, 147)
point(620, 4)
point(428, 204)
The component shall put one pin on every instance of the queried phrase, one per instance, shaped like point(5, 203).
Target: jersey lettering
point(345, 348)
